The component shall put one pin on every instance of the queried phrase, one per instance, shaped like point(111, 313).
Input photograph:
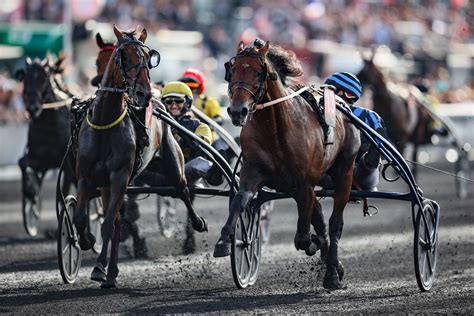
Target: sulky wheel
point(31, 201)
point(462, 172)
point(167, 215)
point(426, 244)
point(69, 252)
point(96, 218)
point(246, 248)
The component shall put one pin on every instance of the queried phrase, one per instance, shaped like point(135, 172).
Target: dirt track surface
point(377, 253)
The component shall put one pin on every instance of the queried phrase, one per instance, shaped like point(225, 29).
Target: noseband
point(259, 93)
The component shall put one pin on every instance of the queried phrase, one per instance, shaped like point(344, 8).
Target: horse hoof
point(311, 250)
point(202, 227)
point(140, 250)
point(87, 242)
point(331, 282)
point(98, 274)
point(222, 249)
point(109, 284)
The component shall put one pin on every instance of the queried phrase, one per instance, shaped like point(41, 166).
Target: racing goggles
point(350, 95)
point(193, 85)
point(170, 101)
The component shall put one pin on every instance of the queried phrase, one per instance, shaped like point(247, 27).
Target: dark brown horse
point(406, 120)
point(46, 99)
point(284, 149)
point(139, 247)
point(112, 149)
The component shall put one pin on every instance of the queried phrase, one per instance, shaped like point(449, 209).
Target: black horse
point(46, 99)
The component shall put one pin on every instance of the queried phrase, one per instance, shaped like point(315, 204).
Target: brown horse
point(406, 120)
point(189, 246)
point(112, 149)
point(283, 148)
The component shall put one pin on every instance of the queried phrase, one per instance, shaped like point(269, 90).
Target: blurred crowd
point(428, 29)
point(11, 102)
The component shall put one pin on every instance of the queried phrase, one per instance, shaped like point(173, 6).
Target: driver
point(349, 88)
point(178, 99)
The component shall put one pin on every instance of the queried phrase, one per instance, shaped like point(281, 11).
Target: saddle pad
point(329, 107)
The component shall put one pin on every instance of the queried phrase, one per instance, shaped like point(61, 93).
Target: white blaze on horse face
point(245, 66)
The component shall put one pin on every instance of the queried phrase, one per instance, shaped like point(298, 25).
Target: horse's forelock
point(130, 34)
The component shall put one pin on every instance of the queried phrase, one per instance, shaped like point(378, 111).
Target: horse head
point(370, 75)
point(130, 66)
point(247, 74)
point(36, 84)
point(106, 50)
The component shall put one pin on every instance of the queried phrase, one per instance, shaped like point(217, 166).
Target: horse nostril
point(140, 94)
point(244, 112)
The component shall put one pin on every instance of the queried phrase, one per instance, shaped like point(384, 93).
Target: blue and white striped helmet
point(346, 82)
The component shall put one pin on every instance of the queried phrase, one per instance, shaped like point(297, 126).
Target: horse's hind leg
point(84, 194)
point(343, 181)
point(113, 270)
point(119, 181)
point(321, 238)
point(306, 202)
point(198, 223)
point(189, 243)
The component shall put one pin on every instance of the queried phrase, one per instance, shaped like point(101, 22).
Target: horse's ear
point(28, 61)
point(99, 40)
point(240, 47)
point(59, 66)
point(118, 33)
point(143, 36)
point(264, 49)
point(45, 61)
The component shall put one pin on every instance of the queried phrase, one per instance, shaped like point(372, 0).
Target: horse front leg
point(250, 182)
point(306, 202)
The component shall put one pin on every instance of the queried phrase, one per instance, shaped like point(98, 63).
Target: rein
point(56, 105)
point(288, 97)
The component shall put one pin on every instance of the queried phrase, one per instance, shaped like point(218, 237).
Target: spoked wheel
point(462, 171)
point(96, 218)
point(426, 245)
point(246, 248)
point(69, 252)
point(167, 215)
point(31, 201)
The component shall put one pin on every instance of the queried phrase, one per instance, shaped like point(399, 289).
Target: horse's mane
point(287, 65)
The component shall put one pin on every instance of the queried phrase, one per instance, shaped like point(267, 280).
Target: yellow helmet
point(176, 89)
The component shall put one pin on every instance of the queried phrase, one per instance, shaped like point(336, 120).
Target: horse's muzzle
point(142, 98)
point(238, 115)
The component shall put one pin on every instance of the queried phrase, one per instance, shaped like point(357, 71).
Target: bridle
point(257, 95)
point(49, 91)
point(129, 82)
